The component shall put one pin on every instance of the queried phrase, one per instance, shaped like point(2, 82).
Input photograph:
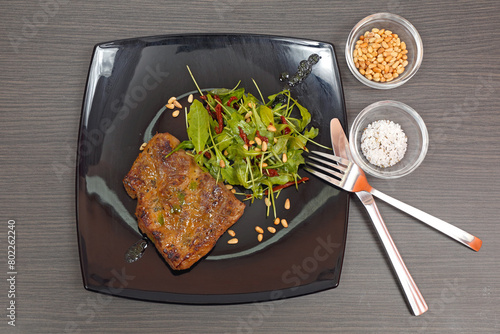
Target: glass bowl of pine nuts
point(384, 51)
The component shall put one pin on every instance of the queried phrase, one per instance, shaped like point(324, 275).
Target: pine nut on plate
point(287, 204)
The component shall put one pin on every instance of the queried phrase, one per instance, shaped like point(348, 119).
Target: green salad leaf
point(245, 142)
point(198, 125)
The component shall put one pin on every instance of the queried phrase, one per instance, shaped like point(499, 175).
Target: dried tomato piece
point(231, 99)
point(286, 130)
point(257, 134)
point(270, 172)
point(220, 120)
point(210, 112)
point(243, 136)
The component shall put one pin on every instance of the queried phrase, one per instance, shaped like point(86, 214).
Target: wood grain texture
point(44, 63)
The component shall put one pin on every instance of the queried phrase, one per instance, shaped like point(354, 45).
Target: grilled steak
point(181, 208)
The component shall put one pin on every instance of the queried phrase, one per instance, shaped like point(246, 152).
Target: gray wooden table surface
point(45, 50)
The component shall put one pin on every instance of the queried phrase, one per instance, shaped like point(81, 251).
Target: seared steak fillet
point(181, 208)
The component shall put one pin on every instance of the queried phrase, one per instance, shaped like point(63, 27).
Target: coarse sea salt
point(384, 143)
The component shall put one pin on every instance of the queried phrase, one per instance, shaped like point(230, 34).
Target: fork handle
point(413, 295)
point(454, 232)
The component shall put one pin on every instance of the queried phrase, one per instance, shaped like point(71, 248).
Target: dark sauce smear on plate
point(303, 70)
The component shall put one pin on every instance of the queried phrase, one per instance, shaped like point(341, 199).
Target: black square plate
point(129, 82)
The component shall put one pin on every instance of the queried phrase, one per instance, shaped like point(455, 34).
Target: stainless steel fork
point(349, 176)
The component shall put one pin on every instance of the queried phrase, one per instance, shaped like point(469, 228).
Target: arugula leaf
point(199, 122)
point(266, 115)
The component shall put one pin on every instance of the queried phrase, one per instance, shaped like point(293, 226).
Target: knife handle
point(453, 232)
point(413, 295)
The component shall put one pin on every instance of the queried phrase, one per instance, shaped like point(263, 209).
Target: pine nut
point(232, 241)
point(284, 223)
point(190, 98)
point(175, 113)
point(276, 221)
point(222, 163)
point(233, 191)
point(259, 229)
point(264, 164)
point(177, 104)
point(171, 100)
point(271, 128)
point(287, 204)
point(170, 106)
point(284, 158)
point(228, 186)
point(260, 237)
point(143, 146)
point(264, 146)
point(258, 141)
point(231, 233)
point(267, 201)
point(271, 229)
point(380, 52)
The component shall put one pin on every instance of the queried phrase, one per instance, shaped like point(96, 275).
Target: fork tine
point(333, 165)
point(324, 177)
point(326, 169)
point(332, 157)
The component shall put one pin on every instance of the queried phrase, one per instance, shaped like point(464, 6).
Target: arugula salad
point(251, 142)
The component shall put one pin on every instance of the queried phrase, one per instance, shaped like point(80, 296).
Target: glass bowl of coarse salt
point(388, 139)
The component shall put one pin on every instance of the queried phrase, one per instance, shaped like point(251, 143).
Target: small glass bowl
point(411, 123)
point(406, 32)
